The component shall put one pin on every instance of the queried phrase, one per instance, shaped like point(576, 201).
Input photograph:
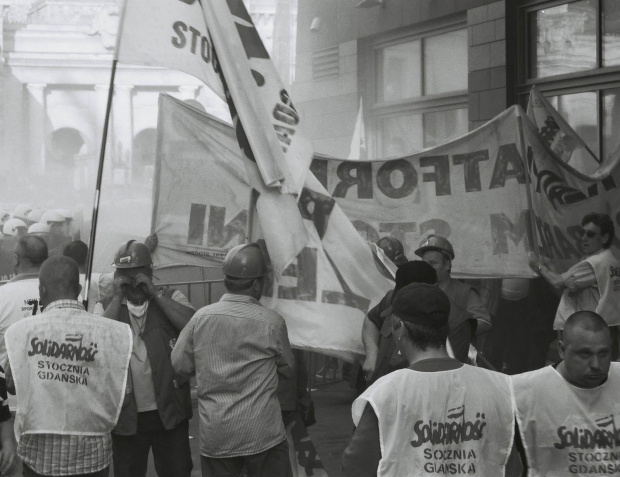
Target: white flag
point(258, 99)
point(358, 149)
point(554, 130)
point(170, 34)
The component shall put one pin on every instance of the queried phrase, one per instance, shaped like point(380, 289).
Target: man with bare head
point(20, 296)
point(567, 414)
point(70, 369)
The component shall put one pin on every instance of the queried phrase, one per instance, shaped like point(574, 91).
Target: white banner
point(170, 34)
point(323, 294)
point(472, 191)
point(70, 372)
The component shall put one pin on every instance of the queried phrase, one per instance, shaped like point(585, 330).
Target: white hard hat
point(52, 216)
point(11, 226)
point(39, 228)
point(66, 213)
point(35, 215)
point(21, 211)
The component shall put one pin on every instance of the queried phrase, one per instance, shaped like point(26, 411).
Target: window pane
point(445, 63)
point(398, 72)
point(401, 135)
point(562, 39)
point(611, 32)
point(580, 112)
point(611, 125)
point(443, 126)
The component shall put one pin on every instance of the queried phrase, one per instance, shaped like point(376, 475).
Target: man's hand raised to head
point(144, 282)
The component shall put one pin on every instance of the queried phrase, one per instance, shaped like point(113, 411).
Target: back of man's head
point(32, 250)
point(414, 271)
point(78, 251)
point(59, 279)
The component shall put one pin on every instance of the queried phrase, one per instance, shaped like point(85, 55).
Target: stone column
point(123, 133)
point(36, 122)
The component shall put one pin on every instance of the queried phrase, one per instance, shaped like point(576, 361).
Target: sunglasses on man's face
point(588, 233)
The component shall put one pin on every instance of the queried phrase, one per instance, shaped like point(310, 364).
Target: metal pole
point(93, 226)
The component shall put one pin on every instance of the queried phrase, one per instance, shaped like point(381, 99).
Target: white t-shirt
point(19, 298)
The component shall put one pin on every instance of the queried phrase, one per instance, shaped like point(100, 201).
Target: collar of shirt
point(64, 304)
point(239, 298)
point(23, 276)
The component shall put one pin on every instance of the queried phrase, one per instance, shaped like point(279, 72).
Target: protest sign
point(70, 372)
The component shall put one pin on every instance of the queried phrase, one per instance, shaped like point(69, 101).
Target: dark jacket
point(172, 391)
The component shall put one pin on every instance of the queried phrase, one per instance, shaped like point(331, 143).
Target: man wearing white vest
point(592, 284)
point(437, 417)
point(70, 371)
point(567, 415)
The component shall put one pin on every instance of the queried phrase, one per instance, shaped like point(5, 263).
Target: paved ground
point(330, 434)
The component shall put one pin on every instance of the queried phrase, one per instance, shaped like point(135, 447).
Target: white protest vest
point(70, 370)
point(568, 430)
point(607, 271)
point(456, 422)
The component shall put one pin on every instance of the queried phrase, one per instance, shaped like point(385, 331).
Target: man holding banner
point(70, 371)
point(592, 284)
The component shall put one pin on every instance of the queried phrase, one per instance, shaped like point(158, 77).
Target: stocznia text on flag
point(170, 34)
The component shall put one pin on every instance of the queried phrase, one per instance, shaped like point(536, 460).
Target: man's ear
point(561, 349)
point(42, 291)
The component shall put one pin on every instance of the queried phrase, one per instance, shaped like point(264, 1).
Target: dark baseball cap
point(415, 271)
point(422, 304)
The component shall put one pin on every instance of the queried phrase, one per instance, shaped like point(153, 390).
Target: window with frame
point(417, 87)
point(572, 53)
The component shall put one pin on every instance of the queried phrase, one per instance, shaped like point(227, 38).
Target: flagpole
point(528, 187)
point(93, 226)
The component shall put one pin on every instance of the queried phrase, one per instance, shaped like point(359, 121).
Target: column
point(123, 133)
point(36, 121)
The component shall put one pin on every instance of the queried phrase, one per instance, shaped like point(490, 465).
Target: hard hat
point(11, 226)
point(51, 216)
point(393, 249)
point(4, 216)
point(21, 212)
point(66, 213)
point(132, 254)
point(438, 244)
point(39, 228)
point(35, 215)
point(245, 261)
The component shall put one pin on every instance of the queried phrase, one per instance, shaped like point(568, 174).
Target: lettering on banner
point(455, 430)
point(71, 350)
point(219, 233)
point(399, 178)
point(180, 41)
point(591, 450)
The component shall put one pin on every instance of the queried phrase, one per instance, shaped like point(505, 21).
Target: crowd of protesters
point(454, 380)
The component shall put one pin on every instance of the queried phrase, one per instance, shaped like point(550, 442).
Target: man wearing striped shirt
point(237, 348)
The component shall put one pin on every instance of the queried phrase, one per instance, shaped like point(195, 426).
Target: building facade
point(430, 70)
point(55, 67)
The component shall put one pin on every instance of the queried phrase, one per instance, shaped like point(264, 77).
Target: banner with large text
point(201, 211)
point(472, 190)
point(70, 372)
